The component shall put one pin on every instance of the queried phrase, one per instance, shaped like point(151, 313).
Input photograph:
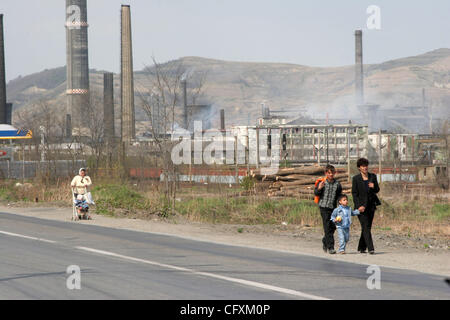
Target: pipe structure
point(68, 126)
point(185, 106)
point(128, 131)
point(8, 114)
point(2, 74)
point(222, 119)
point(359, 72)
point(77, 61)
point(108, 106)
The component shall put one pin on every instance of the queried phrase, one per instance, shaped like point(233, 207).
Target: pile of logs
point(297, 182)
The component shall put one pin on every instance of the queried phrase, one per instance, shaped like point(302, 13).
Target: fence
point(30, 169)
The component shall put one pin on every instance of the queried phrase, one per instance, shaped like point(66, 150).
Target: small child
point(342, 217)
point(82, 207)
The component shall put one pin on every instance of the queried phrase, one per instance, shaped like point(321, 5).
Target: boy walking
point(328, 190)
point(342, 217)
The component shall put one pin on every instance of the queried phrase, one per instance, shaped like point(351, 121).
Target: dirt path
point(421, 254)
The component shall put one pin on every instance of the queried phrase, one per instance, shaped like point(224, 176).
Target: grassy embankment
point(407, 213)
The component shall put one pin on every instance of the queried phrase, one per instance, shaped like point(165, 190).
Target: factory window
point(340, 130)
point(441, 171)
point(307, 130)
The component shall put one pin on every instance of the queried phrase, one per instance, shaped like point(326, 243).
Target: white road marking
point(181, 269)
point(26, 237)
point(207, 274)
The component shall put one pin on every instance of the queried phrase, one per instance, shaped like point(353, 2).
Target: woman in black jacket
point(364, 190)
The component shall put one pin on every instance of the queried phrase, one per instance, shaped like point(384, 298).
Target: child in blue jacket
point(82, 207)
point(342, 217)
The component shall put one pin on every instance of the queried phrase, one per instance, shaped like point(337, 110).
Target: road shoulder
point(392, 251)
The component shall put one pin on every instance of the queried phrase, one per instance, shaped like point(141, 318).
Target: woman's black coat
point(360, 195)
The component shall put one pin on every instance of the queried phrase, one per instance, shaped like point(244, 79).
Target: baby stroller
point(80, 206)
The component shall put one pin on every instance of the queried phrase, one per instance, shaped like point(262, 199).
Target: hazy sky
point(315, 33)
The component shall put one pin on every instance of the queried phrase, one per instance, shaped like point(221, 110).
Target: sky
point(314, 33)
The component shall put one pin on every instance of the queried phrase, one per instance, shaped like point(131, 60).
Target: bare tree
point(48, 129)
point(95, 134)
point(161, 102)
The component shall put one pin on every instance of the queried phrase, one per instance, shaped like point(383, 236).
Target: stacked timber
point(297, 182)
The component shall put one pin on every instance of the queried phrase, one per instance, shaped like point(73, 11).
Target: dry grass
point(411, 212)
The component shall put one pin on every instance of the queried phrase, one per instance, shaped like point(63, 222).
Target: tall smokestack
point(8, 113)
point(423, 98)
point(68, 126)
point(108, 106)
point(359, 73)
point(185, 106)
point(77, 60)
point(126, 79)
point(2, 75)
point(222, 119)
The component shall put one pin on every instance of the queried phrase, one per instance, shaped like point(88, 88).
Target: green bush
point(110, 197)
point(248, 183)
point(441, 211)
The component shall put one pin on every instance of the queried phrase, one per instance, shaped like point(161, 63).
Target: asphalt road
point(122, 264)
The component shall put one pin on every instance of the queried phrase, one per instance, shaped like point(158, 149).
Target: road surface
point(123, 264)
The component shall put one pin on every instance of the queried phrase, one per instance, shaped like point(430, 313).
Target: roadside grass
point(7, 193)
point(245, 210)
point(110, 199)
point(410, 214)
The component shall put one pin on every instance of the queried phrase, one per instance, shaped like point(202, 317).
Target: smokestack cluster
point(77, 61)
point(3, 106)
point(126, 80)
point(108, 106)
point(359, 73)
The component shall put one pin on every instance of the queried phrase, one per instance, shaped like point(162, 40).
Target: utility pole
point(318, 148)
point(326, 137)
point(42, 129)
point(327, 144)
point(348, 153)
point(257, 148)
point(380, 155)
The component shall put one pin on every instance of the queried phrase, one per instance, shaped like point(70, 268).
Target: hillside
point(240, 87)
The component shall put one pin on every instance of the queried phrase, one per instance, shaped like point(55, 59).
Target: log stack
point(297, 182)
